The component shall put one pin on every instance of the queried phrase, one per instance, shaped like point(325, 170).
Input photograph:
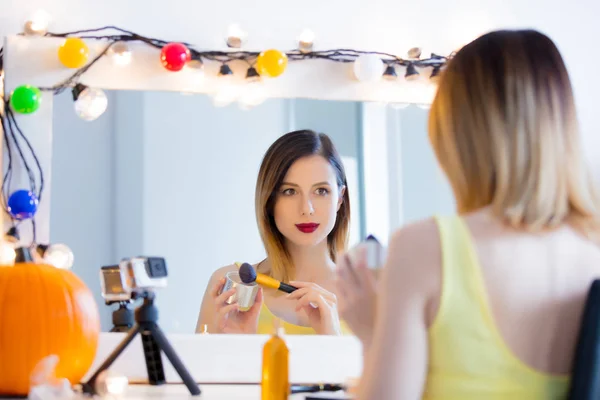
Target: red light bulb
point(174, 56)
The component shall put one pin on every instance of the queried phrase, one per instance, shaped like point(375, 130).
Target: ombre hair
point(504, 129)
point(275, 164)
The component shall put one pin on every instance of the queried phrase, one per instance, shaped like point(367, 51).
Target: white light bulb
point(307, 36)
point(7, 254)
point(368, 68)
point(59, 255)
point(111, 385)
point(399, 106)
point(253, 94)
point(120, 53)
point(306, 40)
point(91, 104)
point(235, 36)
point(227, 91)
point(38, 23)
point(195, 69)
point(116, 385)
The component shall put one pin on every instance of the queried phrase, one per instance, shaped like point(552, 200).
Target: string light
point(227, 92)
point(7, 254)
point(110, 385)
point(306, 40)
point(235, 36)
point(368, 68)
point(120, 53)
point(411, 73)
point(415, 53)
point(195, 69)
point(59, 255)
point(37, 25)
point(90, 103)
point(254, 92)
point(390, 73)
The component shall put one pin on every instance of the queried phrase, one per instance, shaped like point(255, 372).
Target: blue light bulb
point(22, 204)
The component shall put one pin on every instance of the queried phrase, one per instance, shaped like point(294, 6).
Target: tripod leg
point(165, 346)
point(89, 387)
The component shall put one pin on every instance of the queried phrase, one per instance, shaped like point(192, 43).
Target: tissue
point(45, 385)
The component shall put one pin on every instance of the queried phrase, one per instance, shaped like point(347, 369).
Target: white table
point(209, 392)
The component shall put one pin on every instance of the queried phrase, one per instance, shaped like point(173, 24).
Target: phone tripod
point(153, 341)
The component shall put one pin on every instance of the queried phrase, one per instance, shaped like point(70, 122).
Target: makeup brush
point(249, 275)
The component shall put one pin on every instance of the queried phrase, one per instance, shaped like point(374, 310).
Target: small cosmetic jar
point(245, 294)
point(375, 252)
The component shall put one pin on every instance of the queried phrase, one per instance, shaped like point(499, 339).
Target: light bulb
point(399, 106)
point(368, 68)
point(111, 385)
point(253, 94)
point(306, 40)
point(415, 53)
point(7, 254)
point(411, 73)
point(91, 103)
point(227, 93)
point(235, 36)
point(120, 53)
point(59, 255)
point(196, 69)
point(37, 24)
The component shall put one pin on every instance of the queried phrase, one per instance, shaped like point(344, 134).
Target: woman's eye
point(322, 191)
point(288, 192)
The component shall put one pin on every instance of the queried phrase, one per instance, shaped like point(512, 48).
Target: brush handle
point(284, 287)
point(315, 388)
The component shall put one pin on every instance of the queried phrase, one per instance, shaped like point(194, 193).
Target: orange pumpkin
point(44, 311)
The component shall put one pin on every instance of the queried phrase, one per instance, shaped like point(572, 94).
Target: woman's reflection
point(303, 213)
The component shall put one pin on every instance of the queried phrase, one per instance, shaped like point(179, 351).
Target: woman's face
point(307, 201)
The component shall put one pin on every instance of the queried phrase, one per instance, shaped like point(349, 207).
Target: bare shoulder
point(414, 258)
point(418, 241)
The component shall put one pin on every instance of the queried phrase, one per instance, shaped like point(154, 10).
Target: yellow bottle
point(275, 378)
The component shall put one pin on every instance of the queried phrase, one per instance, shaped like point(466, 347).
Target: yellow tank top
point(266, 321)
point(468, 358)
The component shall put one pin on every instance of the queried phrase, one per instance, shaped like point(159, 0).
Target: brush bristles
point(247, 273)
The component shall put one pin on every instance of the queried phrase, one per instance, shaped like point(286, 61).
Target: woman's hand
point(357, 291)
point(320, 305)
point(228, 317)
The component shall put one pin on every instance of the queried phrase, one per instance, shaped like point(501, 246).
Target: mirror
point(171, 175)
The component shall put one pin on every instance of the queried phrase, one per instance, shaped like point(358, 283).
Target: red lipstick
point(307, 228)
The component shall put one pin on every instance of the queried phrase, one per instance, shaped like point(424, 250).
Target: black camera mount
point(154, 342)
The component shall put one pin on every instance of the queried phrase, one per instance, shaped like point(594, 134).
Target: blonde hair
point(275, 164)
point(504, 129)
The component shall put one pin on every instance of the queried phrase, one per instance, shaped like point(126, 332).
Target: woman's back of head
point(504, 128)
